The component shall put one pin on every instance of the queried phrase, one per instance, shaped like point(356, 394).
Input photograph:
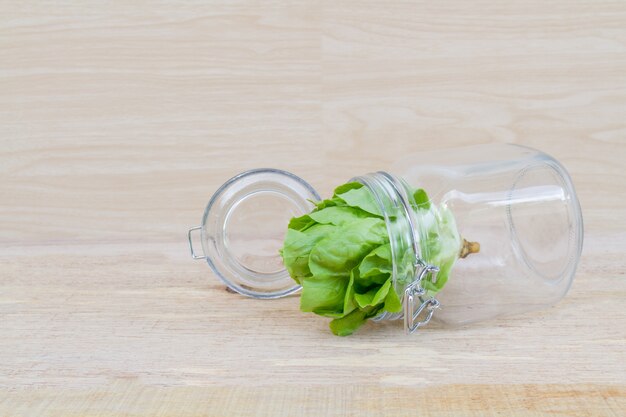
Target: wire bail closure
point(416, 291)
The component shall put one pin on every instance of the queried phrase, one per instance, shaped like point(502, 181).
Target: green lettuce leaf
point(324, 296)
point(298, 246)
point(347, 325)
point(361, 198)
point(343, 249)
point(337, 215)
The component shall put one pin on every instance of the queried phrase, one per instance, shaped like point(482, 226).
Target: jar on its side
point(475, 232)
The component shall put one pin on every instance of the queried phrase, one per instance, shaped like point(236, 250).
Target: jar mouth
point(392, 196)
point(243, 229)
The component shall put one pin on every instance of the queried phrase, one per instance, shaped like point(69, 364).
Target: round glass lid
point(244, 226)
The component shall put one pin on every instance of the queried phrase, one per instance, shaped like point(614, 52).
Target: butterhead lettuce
point(341, 255)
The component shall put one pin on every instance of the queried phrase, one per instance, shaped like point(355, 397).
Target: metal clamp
point(193, 254)
point(416, 291)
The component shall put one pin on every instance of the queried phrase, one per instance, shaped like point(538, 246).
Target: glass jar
point(475, 232)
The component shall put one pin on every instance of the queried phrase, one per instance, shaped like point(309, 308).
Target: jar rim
point(224, 214)
point(392, 197)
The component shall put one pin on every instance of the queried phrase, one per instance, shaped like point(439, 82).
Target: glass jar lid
point(243, 228)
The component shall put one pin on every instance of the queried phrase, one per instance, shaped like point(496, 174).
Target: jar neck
point(393, 197)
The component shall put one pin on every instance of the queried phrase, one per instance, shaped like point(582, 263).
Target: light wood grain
point(118, 120)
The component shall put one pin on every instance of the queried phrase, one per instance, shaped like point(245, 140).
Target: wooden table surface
point(119, 119)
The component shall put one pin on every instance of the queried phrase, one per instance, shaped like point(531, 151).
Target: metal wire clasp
point(416, 291)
